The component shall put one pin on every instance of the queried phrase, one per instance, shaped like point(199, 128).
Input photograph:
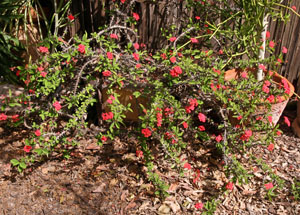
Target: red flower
point(201, 117)
point(57, 106)
point(265, 89)
point(113, 36)
point(3, 117)
point(185, 125)
point(109, 55)
point(246, 135)
point(71, 17)
point(136, 56)
point(146, 132)
point(163, 56)
point(106, 73)
point(136, 46)
point(159, 119)
point(172, 39)
point(81, 48)
point(271, 98)
point(136, 16)
point(137, 66)
point(219, 138)
point(244, 75)
point(278, 133)
point(187, 166)
point(261, 66)
point(37, 133)
point(201, 128)
point(284, 50)
point(199, 205)
point(197, 17)
point(294, 7)
point(173, 59)
point(271, 44)
point(268, 34)
point(271, 147)
point(107, 116)
point(18, 73)
point(239, 117)
point(43, 49)
point(229, 186)
point(267, 83)
point(194, 40)
point(43, 74)
point(287, 121)
point(270, 119)
point(176, 71)
point(104, 138)
point(139, 153)
point(40, 69)
point(15, 118)
point(269, 186)
point(27, 148)
point(123, 1)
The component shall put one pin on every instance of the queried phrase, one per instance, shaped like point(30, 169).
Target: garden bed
point(111, 180)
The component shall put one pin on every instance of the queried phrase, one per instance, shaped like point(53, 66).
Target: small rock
point(164, 209)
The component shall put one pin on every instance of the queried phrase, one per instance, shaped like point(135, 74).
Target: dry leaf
point(100, 188)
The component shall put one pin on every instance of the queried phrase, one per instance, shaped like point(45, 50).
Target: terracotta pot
point(127, 97)
point(277, 107)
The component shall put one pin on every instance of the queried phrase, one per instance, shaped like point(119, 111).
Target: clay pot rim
point(233, 73)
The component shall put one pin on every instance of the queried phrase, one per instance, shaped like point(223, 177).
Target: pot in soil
point(277, 107)
point(127, 97)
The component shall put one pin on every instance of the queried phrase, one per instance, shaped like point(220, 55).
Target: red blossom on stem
point(172, 39)
point(71, 17)
point(81, 48)
point(37, 133)
point(269, 186)
point(106, 73)
point(287, 121)
point(57, 106)
point(187, 166)
point(271, 147)
point(43, 49)
point(107, 116)
point(109, 55)
point(136, 16)
point(201, 117)
point(229, 186)
point(3, 117)
point(146, 132)
point(27, 148)
point(199, 206)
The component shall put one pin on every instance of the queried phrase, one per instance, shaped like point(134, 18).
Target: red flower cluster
point(15, 118)
point(106, 73)
point(199, 205)
point(219, 138)
point(185, 125)
point(229, 186)
point(173, 59)
point(176, 71)
point(43, 49)
point(71, 17)
point(286, 86)
point(104, 138)
point(136, 56)
point(159, 118)
point(109, 55)
point(187, 166)
point(139, 153)
point(57, 106)
point(172, 39)
point(192, 106)
point(113, 36)
point(107, 116)
point(146, 132)
point(246, 135)
point(81, 48)
point(136, 46)
point(27, 148)
point(136, 16)
point(201, 117)
point(269, 186)
point(3, 117)
point(37, 133)
point(271, 147)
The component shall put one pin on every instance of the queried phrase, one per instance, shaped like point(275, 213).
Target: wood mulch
point(112, 180)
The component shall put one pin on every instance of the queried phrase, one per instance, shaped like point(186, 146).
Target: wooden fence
point(288, 35)
point(154, 16)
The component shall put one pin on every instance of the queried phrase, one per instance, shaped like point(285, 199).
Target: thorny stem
point(224, 137)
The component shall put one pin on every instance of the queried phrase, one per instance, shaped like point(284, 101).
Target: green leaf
point(14, 162)
point(22, 165)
